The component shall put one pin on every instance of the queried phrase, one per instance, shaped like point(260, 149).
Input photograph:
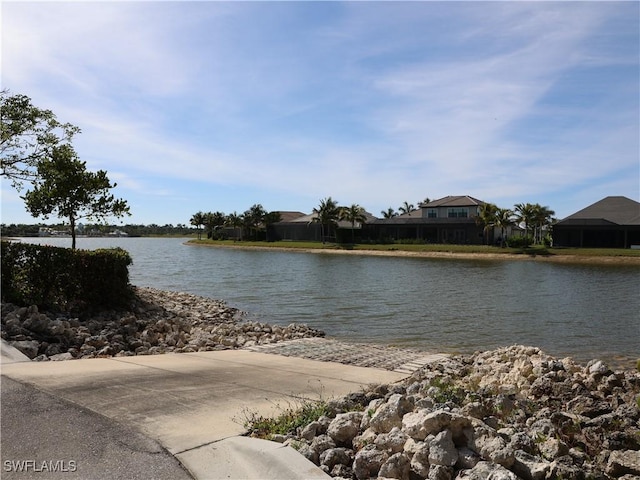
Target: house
point(303, 228)
point(451, 219)
point(613, 222)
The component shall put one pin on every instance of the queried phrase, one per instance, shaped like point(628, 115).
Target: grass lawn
point(466, 249)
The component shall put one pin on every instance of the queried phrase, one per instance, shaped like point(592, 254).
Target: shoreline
point(555, 258)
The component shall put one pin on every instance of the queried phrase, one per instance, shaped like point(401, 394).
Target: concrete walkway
point(193, 405)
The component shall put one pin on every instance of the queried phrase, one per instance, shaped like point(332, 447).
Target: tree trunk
point(72, 222)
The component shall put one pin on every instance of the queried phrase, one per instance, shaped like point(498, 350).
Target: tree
point(212, 221)
point(525, 214)
point(353, 214)
point(197, 221)
point(406, 208)
point(28, 135)
point(236, 221)
point(390, 213)
point(65, 188)
point(487, 219)
point(504, 219)
point(254, 218)
point(326, 214)
point(542, 217)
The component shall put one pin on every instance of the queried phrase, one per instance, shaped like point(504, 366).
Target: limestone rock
point(624, 462)
point(442, 450)
point(368, 462)
point(345, 427)
point(396, 466)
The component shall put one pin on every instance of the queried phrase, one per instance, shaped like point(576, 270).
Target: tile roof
point(616, 210)
point(453, 201)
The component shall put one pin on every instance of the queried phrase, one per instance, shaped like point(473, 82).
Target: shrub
point(62, 279)
point(519, 242)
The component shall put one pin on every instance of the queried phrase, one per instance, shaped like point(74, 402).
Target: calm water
point(584, 311)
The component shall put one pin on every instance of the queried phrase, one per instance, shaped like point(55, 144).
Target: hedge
point(65, 280)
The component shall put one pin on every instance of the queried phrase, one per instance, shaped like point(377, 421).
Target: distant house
point(302, 227)
point(613, 222)
point(451, 219)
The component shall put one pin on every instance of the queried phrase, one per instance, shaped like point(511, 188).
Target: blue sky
point(216, 106)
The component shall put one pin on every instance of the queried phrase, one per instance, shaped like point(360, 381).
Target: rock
point(309, 431)
point(322, 443)
point(420, 460)
point(367, 437)
point(487, 470)
point(623, 462)
point(28, 347)
point(61, 356)
point(467, 458)
point(368, 461)
point(553, 448)
point(345, 427)
point(442, 450)
point(334, 456)
point(413, 424)
point(529, 467)
point(440, 472)
point(396, 466)
point(386, 417)
point(392, 442)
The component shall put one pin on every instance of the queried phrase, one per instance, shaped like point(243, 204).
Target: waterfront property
point(613, 222)
point(452, 219)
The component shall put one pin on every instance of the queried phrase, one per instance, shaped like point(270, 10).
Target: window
point(460, 212)
point(432, 213)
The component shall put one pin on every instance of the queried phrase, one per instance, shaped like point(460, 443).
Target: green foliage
point(67, 189)
point(519, 242)
point(62, 279)
point(27, 135)
point(289, 419)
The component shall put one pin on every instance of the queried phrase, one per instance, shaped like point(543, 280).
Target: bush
point(61, 279)
point(519, 242)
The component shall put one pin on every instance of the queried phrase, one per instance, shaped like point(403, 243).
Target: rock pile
point(158, 322)
point(512, 413)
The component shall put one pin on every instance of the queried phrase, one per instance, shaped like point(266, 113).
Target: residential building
point(612, 222)
point(452, 219)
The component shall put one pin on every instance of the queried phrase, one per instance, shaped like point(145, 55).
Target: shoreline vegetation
point(604, 256)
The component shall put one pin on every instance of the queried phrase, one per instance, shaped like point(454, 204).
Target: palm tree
point(525, 214)
point(213, 221)
point(487, 219)
point(326, 214)
point(254, 217)
point(236, 221)
point(197, 220)
point(406, 208)
point(542, 217)
point(390, 213)
point(504, 219)
point(354, 214)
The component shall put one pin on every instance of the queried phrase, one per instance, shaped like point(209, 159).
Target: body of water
point(439, 305)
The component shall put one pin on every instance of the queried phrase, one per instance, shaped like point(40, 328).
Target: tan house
point(450, 219)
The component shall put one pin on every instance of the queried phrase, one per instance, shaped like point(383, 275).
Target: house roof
point(453, 201)
point(289, 216)
point(302, 218)
point(616, 210)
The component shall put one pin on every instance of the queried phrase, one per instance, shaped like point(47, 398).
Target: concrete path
point(194, 405)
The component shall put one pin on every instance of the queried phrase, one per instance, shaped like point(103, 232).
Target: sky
point(217, 106)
